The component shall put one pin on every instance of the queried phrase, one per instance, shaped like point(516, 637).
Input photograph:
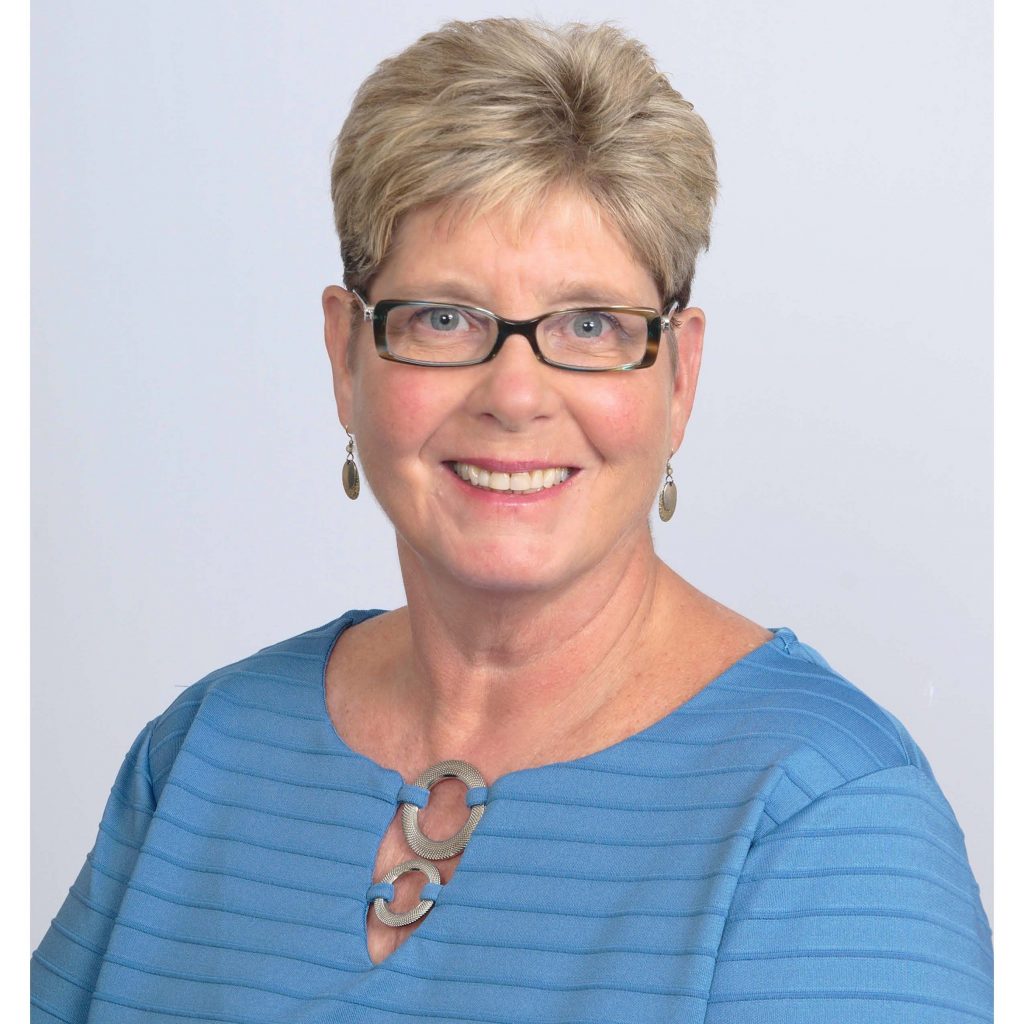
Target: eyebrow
point(564, 294)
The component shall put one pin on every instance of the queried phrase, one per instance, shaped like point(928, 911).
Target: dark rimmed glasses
point(590, 339)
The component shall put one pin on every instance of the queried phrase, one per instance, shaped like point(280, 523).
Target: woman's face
point(415, 427)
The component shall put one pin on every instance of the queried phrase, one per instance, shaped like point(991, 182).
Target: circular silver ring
point(386, 915)
point(442, 849)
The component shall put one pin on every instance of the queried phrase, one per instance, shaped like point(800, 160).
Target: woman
point(561, 784)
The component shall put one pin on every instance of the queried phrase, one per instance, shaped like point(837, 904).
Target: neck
point(504, 679)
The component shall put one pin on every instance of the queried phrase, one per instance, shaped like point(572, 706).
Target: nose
point(515, 388)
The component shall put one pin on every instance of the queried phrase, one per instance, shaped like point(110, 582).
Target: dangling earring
point(667, 497)
point(350, 471)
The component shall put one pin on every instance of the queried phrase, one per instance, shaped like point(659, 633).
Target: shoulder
point(819, 730)
point(286, 676)
point(855, 886)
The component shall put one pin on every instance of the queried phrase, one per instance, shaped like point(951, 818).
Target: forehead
point(562, 249)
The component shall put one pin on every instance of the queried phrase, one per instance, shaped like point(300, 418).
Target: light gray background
point(836, 476)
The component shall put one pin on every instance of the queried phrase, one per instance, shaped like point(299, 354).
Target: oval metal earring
point(667, 496)
point(350, 471)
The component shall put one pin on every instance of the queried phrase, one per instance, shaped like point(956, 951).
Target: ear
point(688, 328)
point(339, 336)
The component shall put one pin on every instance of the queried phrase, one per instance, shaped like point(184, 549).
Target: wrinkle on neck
point(499, 670)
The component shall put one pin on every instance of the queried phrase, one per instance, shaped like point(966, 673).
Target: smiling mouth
point(530, 482)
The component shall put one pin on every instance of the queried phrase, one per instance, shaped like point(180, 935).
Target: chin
point(510, 568)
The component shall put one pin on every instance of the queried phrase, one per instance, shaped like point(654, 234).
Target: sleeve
point(67, 962)
point(860, 907)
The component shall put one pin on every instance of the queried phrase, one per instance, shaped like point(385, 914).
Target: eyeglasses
point(444, 334)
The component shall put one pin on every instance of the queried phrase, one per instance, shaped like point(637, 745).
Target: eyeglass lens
point(591, 338)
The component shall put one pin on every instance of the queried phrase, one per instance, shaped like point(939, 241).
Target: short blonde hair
point(502, 111)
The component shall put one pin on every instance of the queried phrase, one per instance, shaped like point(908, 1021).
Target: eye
point(444, 320)
point(589, 325)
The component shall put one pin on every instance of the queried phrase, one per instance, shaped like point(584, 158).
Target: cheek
point(627, 422)
point(396, 410)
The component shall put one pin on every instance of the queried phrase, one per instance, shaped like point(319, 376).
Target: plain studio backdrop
point(187, 503)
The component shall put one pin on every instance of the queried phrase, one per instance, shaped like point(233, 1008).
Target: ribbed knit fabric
point(775, 851)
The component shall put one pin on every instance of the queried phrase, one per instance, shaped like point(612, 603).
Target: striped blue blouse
point(775, 850)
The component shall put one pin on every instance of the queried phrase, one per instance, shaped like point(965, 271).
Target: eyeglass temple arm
point(367, 308)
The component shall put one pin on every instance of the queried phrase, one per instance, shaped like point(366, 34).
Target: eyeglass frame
point(377, 314)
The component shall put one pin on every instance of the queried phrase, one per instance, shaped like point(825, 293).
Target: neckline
point(783, 639)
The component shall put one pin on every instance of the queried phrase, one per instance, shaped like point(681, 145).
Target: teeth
point(520, 483)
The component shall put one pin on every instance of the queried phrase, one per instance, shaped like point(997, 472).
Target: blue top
point(775, 850)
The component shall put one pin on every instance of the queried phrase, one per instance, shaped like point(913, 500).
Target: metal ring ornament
point(386, 915)
point(442, 849)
